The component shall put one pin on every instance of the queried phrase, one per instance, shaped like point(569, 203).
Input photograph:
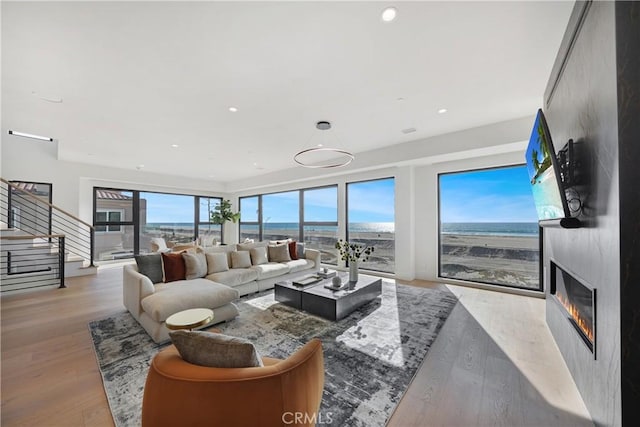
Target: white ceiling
point(135, 78)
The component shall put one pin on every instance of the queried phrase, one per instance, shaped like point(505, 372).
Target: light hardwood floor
point(493, 363)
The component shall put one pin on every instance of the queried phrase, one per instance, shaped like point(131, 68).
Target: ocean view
point(361, 227)
point(491, 228)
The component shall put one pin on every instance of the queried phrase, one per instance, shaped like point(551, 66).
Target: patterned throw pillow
point(195, 265)
point(240, 259)
point(174, 268)
point(215, 350)
point(150, 266)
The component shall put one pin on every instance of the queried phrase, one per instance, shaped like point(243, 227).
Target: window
point(489, 229)
point(249, 218)
point(113, 220)
point(109, 216)
point(320, 221)
point(371, 221)
point(281, 216)
point(207, 230)
point(126, 220)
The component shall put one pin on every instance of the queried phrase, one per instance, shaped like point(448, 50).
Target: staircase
point(40, 244)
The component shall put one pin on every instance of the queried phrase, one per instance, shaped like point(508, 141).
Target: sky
point(489, 195)
point(370, 201)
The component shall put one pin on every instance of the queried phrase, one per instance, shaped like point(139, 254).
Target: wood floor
point(493, 363)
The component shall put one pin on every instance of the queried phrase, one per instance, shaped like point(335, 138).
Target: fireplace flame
point(573, 311)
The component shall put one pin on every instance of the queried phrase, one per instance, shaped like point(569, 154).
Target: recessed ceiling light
point(399, 99)
point(408, 130)
point(389, 14)
point(255, 163)
point(233, 109)
point(442, 111)
point(175, 145)
point(319, 145)
point(30, 135)
point(139, 167)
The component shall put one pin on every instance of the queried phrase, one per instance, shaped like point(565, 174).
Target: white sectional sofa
point(151, 304)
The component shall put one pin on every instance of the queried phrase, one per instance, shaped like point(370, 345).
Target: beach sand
point(506, 260)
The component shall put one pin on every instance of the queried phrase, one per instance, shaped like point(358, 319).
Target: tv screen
point(542, 166)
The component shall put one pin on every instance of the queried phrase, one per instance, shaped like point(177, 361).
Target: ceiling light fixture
point(442, 111)
point(389, 14)
point(233, 109)
point(30, 135)
point(324, 156)
point(175, 145)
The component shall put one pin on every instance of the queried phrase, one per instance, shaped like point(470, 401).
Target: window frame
point(439, 248)
point(346, 225)
point(301, 221)
point(135, 222)
point(108, 223)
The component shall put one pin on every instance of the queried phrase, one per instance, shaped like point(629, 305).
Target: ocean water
point(528, 229)
point(373, 227)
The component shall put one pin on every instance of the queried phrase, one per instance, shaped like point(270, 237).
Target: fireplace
point(578, 303)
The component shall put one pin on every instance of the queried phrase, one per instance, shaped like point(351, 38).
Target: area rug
point(370, 356)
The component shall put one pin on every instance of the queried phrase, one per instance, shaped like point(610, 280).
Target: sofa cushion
point(150, 266)
point(279, 253)
point(173, 267)
point(240, 259)
point(234, 277)
point(258, 255)
point(300, 250)
point(195, 265)
point(215, 350)
point(170, 298)
point(272, 269)
point(299, 265)
point(216, 262)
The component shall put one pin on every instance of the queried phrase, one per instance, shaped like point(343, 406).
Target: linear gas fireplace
point(578, 302)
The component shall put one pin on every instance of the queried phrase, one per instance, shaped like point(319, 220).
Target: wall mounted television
point(544, 173)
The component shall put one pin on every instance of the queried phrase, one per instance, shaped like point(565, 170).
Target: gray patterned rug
point(370, 356)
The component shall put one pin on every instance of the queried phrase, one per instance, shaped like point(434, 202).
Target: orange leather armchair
point(178, 393)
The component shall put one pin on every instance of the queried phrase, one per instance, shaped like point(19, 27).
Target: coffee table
point(189, 319)
point(327, 303)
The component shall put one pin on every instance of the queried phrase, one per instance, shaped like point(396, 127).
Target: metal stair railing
point(31, 261)
point(23, 213)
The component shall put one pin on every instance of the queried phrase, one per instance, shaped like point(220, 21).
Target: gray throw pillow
point(258, 256)
point(195, 265)
point(150, 266)
point(300, 250)
point(215, 350)
point(279, 253)
point(240, 259)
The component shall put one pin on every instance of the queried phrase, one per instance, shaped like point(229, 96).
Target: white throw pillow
point(240, 259)
point(279, 253)
point(258, 256)
point(217, 262)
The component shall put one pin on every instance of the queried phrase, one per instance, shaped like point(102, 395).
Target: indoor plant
point(222, 213)
point(354, 253)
